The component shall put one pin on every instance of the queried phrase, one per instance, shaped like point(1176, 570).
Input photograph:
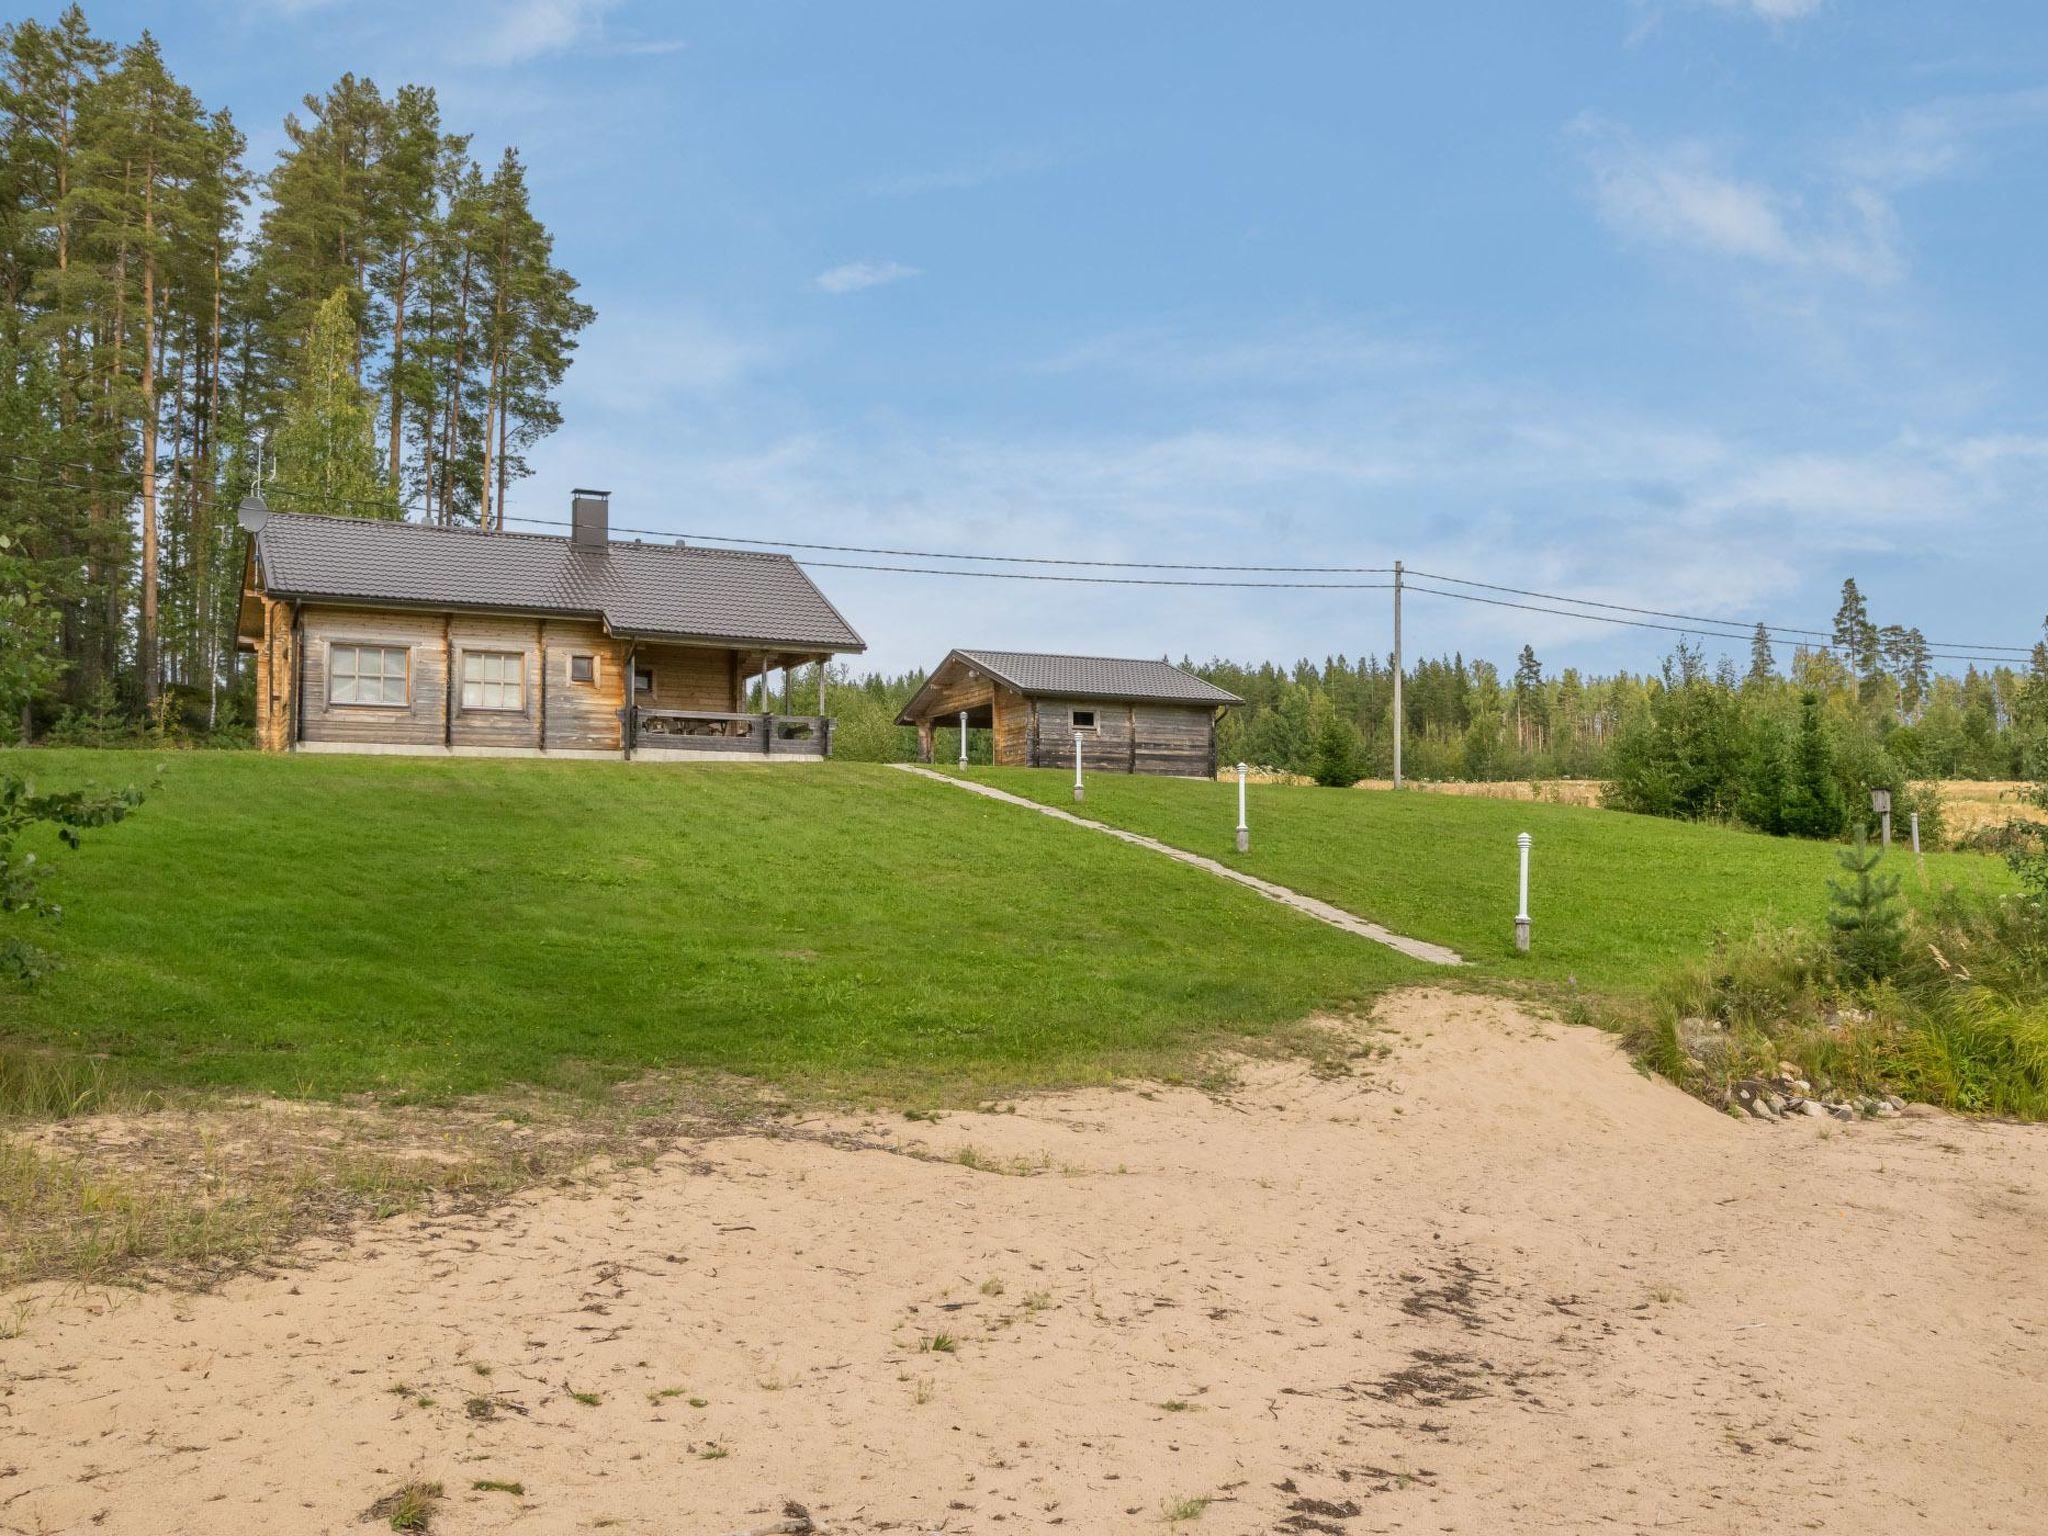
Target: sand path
point(1498, 1282)
point(1315, 907)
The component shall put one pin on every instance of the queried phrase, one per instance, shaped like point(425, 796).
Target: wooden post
point(629, 716)
point(540, 725)
point(1881, 802)
point(1244, 833)
point(1399, 723)
point(821, 686)
point(924, 741)
point(1079, 792)
point(448, 683)
point(1522, 910)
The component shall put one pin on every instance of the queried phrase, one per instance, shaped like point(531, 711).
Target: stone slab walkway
point(1322, 911)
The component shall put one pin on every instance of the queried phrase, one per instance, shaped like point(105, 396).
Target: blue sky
point(1697, 304)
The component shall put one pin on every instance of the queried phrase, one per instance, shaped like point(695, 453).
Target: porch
point(681, 734)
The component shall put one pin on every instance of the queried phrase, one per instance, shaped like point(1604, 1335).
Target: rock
point(1788, 1071)
point(1841, 1112)
point(1815, 1108)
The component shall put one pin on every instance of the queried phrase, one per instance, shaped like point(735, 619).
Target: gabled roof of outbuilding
point(662, 591)
point(1110, 678)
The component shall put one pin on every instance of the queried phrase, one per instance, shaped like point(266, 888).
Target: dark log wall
point(1173, 739)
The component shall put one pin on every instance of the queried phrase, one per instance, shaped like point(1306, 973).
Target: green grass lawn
point(1616, 901)
point(333, 924)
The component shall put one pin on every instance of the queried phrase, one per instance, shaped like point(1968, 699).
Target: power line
point(1601, 618)
point(1700, 624)
point(1589, 602)
point(928, 554)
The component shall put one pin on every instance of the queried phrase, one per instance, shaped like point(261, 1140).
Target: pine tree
point(1863, 920)
point(327, 448)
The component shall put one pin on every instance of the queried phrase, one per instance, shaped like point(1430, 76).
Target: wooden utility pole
point(1398, 721)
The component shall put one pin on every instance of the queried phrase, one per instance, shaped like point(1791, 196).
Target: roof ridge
point(678, 547)
point(1147, 661)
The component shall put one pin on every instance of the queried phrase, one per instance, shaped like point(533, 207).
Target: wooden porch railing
point(700, 730)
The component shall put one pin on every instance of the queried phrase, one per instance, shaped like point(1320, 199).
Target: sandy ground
point(1496, 1281)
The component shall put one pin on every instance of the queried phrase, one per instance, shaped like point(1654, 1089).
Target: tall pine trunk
point(398, 359)
point(146, 639)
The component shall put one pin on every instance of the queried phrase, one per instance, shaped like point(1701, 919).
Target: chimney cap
point(586, 491)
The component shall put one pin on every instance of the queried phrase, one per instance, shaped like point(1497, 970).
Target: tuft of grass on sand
point(1174, 1511)
point(499, 1485)
point(410, 1508)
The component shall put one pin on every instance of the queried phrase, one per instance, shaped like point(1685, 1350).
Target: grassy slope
point(1616, 901)
point(330, 924)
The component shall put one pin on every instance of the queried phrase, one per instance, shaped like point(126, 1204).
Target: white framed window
point(367, 674)
point(493, 680)
point(1084, 719)
point(582, 669)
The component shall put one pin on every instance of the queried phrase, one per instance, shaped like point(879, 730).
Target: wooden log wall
point(1173, 739)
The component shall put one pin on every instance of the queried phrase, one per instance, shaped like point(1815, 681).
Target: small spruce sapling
point(1863, 919)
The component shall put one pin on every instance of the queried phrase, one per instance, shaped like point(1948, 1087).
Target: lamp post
point(1244, 835)
point(1522, 841)
point(963, 738)
point(1079, 793)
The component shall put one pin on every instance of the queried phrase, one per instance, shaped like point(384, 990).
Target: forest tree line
point(373, 323)
point(1787, 747)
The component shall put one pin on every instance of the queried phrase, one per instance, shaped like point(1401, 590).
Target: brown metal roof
point(658, 590)
point(1051, 675)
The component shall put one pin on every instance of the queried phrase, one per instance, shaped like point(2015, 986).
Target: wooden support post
point(448, 683)
point(540, 726)
point(924, 741)
point(823, 662)
point(1522, 841)
point(629, 714)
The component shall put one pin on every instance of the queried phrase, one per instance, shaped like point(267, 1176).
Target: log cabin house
point(373, 636)
point(1131, 716)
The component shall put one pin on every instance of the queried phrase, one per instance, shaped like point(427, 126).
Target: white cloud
point(1770, 10)
point(1680, 195)
point(1939, 139)
point(853, 276)
point(641, 357)
point(964, 175)
point(1299, 352)
point(534, 29)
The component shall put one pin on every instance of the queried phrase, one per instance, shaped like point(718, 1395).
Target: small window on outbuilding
point(1084, 719)
point(643, 679)
point(582, 669)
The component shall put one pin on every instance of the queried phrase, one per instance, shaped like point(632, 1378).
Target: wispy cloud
point(534, 29)
point(1940, 138)
point(1682, 195)
point(1770, 10)
point(964, 175)
point(853, 276)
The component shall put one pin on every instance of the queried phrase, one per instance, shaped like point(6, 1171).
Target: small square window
point(582, 669)
point(1084, 719)
point(643, 679)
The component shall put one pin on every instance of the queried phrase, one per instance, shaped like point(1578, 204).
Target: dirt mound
point(1495, 1281)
